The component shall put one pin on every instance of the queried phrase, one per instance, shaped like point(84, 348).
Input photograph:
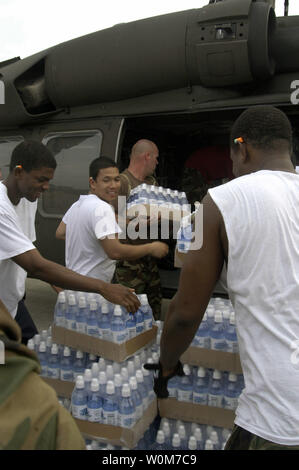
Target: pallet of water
point(89, 323)
point(215, 344)
point(148, 200)
point(117, 408)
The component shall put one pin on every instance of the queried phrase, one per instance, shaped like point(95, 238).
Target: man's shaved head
point(143, 158)
point(143, 146)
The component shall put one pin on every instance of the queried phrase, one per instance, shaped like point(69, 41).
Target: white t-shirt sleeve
point(13, 242)
point(105, 222)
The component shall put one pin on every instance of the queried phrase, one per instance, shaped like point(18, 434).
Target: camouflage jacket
point(31, 417)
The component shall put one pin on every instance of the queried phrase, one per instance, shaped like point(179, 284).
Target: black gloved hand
point(160, 382)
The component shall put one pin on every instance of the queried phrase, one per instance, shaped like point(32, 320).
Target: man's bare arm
point(199, 275)
point(61, 231)
point(53, 273)
point(118, 251)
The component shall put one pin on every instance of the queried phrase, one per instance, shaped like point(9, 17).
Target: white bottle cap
point(93, 305)
point(54, 348)
point(66, 351)
point(192, 444)
point(80, 382)
point(102, 364)
point(87, 375)
point(218, 317)
point(109, 372)
point(124, 374)
point(61, 297)
point(82, 302)
point(137, 362)
point(42, 346)
point(94, 387)
point(133, 383)
point(36, 339)
point(72, 299)
point(160, 439)
point(198, 434)
point(209, 445)
point(143, 299)
point(118, 381)
point(105, 307)
point(139, 376)
point(176, 441)
point(79, 354)
point(232, 318)
point(214, 437)
point(155, 357)
point(125, 391)
point(232, 377)
point(30, 344)
point(131, 367)
point(95, 369)
point(102, 377)
point(201, 372)
point(217, 374)
point(182, 431)
point(186, 369)
point(117, 310)
point(110, 389)
point(49, 341)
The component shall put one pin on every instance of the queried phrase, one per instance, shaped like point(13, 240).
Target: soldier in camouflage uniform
point(31, 417)
point(142, 274)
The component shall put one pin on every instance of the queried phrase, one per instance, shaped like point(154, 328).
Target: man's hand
point(161, 377)
point(121, 295)
point(158, 249)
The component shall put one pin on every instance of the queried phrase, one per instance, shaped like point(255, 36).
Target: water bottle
point(60, 309)
point(215, 440)
point(126, 412)
point(185, 391)
point(160, 443)
point(131, 326)
point(94, 403)
point(209, 445)
point(176, 443)
point(87, 381)
point(231, 393)
point(42, 356)
point(217, 333)
point(110, 406)
point(203, 334)
point(66, 366)
point(79, 400)
point(71, 312)
point(143, 195)
point(139, 321)
point(147, 312)
point(49, 345)
point(119, 332)
point(31, 345)
point(216, 390)
point(92, 328)
point(102, 383)
point(167, 433)
point(142, 388)
point(201, 387)
point(199, 438)
point(184, 236)
point(231, 335)
point(91, 359)
point(136, 398)
point(192, 443)
point(95, 370)
point(149, 382)
point(54, 363)
point(79, 364)
point(36, 340)
point(102, 364)
point(81, 317)
point(210, 316)
point(118, 385)
point(183, 436)
point(124, 375)
point(104, 323)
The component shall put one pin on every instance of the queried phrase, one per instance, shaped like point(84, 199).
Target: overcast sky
point(29, 26)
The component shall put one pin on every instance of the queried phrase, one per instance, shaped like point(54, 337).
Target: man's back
point(261, 218)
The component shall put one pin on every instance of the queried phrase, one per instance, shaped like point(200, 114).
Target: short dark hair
point(32, 155)
point(100, 163)
point(264, 127)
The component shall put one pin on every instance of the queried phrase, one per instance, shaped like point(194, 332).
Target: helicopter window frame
point(61, 171)
point(15, 139)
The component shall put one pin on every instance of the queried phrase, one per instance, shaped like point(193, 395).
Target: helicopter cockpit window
point(7, 145)
point(73, 151)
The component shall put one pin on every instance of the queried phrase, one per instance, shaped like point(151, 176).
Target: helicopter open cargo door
point(75, 146)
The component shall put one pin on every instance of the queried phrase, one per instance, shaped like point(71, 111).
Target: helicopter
point(179, 79)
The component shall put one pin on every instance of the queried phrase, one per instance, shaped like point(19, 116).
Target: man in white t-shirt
point(90, 229)
point(32, 167)
point(252, 225)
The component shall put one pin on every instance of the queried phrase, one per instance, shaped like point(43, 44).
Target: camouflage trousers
point(240, 439)
point(143, 276)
